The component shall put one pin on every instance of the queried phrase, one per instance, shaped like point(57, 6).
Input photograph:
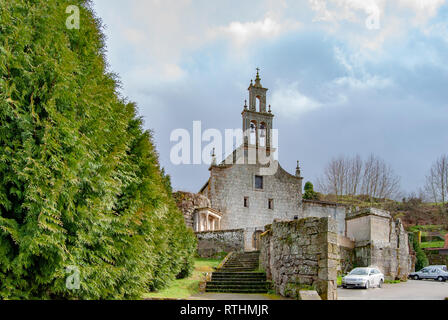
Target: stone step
point(238, 287)
point(243, 260)
point(253, 282)
point(239, 275)
point(261, 290)
point(239, 278)
point(241, 265)
point(243, 274)
point(236, 269)
point(233, 266)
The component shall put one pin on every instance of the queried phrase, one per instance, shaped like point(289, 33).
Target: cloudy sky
point(345, 77)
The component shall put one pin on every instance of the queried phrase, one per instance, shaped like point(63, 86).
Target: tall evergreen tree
point(80, 183)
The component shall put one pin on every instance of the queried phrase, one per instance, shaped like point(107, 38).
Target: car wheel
point(380, 285)
point(440, 279)
point(344, 286)
point(416, 278)
point(367, 284)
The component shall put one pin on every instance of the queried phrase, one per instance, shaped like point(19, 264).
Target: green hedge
point(421, 259)
point(80, 182)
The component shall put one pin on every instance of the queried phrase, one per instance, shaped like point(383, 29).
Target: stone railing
point(211, 243)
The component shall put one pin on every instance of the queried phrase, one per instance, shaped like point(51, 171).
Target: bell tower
point(257, 121)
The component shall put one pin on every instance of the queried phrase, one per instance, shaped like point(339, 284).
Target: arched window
point(253, 133)
point(262, 134)
point(258, 104)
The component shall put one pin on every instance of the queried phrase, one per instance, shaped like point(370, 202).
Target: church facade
point(250, 189)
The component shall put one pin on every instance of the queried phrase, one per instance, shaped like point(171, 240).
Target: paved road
point(410, 290)
point(234, 296)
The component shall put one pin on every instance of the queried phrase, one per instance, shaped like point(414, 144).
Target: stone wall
point(188, 202)
point(230, 184)
point(212, 242)
point(347, 254)
point(380, 241)
point(320, 209)
point(392, 257)
point(437, 256)
point(302, 253)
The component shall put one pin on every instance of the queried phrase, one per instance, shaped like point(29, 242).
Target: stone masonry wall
point(391, 257)
point(188, 202)
point(229, 185)
point(213, 242)
point(302, 253)
point(321, 209)
point(437, 256)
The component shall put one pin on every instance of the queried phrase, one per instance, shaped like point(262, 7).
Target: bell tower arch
point(257, 121)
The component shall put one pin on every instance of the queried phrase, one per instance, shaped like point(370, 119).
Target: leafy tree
point(80, 183)
point(310, 194)
point(421, 259)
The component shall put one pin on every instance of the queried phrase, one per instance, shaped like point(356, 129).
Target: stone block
point(328, 263)
point(308, 295)
point(328, 274)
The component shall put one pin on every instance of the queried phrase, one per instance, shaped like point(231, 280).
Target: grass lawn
point(434, 244)
point(339, 281)
point(184, 288)
point(392, 281)
point(430, 228)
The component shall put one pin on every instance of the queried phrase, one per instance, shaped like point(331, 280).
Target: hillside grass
point(429, 228)
point(413, 212)
point(184, 288)
point(433, 244)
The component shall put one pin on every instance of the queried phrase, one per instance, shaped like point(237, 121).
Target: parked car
point(443, 267)
point(431, 272)
point(363, 278)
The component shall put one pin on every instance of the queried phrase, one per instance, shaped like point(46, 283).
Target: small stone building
point(377, 240)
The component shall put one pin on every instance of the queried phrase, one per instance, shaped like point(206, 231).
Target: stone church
point(250, 189)
point(250, 203)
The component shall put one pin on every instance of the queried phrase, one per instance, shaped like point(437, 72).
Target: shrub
point(421, 259)
point(310, 194)
point(80, 182)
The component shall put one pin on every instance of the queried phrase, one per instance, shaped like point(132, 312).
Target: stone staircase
point(239, 275)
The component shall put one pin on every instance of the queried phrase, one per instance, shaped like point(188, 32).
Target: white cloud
point(240, 33)
point(356, 75)
point(423, 9)
point(367, 82)
point(352, 10)
point(340, 10)
point(379, 20)
point(290, 102)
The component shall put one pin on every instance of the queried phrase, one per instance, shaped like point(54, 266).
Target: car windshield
point(360, 272)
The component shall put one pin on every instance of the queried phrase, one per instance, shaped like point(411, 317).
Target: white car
point(363, 278)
